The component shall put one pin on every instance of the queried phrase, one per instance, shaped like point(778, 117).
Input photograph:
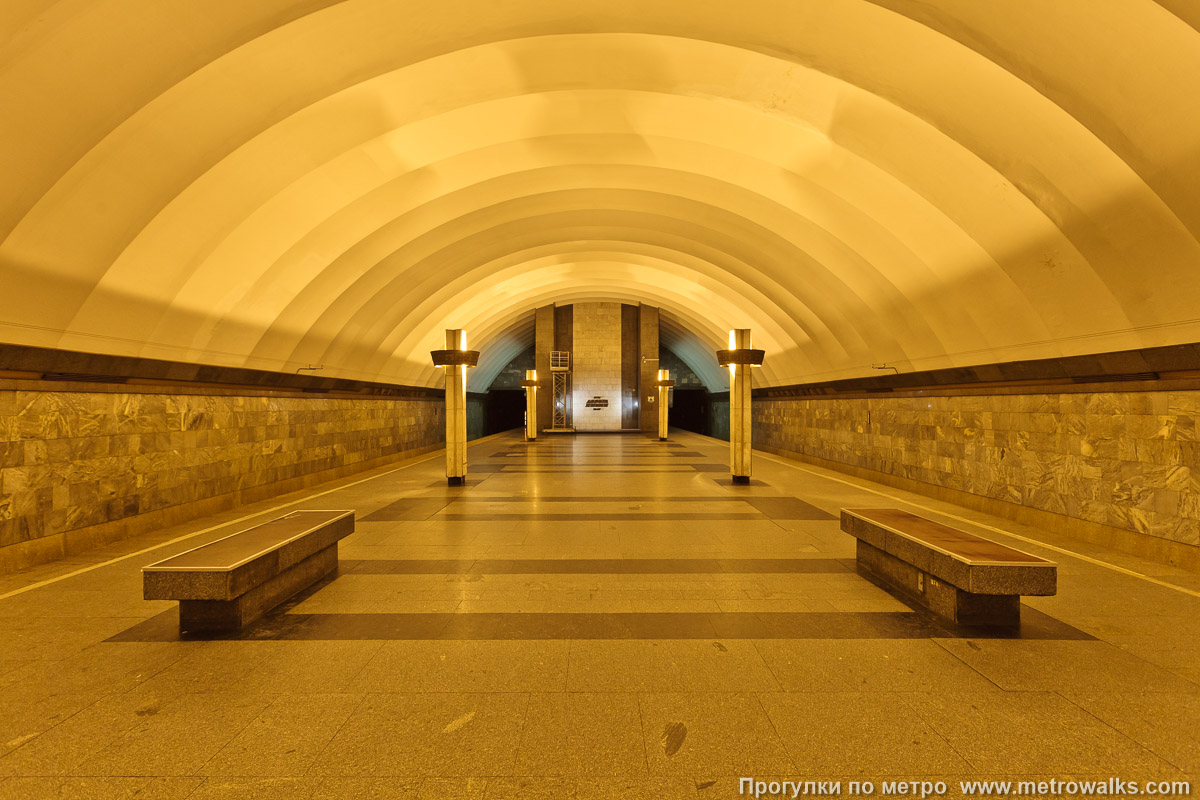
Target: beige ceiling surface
point(279, 185)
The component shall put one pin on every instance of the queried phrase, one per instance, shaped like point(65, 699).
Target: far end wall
point(596, 367)
point(613, 350)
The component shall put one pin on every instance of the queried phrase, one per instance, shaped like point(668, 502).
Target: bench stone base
point(230, 615)
point(951, 602)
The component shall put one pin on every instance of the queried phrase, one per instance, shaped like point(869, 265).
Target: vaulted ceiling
point(280, 184)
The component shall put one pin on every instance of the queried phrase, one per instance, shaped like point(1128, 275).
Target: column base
point(662, 438)
point(456, 480)
point(741, 479)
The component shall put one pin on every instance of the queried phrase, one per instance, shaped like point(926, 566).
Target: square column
point(456, 412)
point(531, 386)
point(739, 411)
point(740, 358)
point(664, 397)
point(543, 345)
point(648, 324)
point(456, 358)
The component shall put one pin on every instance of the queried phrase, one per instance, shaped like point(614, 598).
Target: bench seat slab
point(227, 584)
point(960, 576)
point(966, 561)
point(230, 567)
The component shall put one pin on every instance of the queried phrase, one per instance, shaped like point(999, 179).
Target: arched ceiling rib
point(282, 184)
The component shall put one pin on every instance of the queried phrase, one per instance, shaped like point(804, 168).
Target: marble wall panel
point(70, 459)
point(1129, 460)
point(596, 365)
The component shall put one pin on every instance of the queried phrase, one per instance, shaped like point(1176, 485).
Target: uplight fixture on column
point(740, 357)
point(664, 388)
point(531, 386)
point(456, 358)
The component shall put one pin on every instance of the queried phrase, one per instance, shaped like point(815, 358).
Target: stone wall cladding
point(1125, 460)
point(596, 365)
point(71, 460)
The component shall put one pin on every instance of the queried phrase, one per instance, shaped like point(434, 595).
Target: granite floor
point(590, 617)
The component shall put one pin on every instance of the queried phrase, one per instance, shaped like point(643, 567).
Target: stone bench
point(957, 575)
point(227, 584)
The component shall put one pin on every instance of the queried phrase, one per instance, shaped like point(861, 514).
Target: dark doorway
point(503, 410)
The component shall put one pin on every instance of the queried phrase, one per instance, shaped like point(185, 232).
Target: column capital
point(453, 358)
point(751, 358)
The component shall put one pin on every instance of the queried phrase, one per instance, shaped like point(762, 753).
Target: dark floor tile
point(652, 566)
point(470, 481)
point(609, 498)
point(422, 567)
point(368, 626)
point(407, 510)
point(662, 626)
point(787, 508)
point(784, 565)
point(163, 627)
point(530, 626)
point(606, 566)
point(496, 566)
point(589, 516)
point(487, 626)
point(614, 469)
point(1034, 625)
point(738, 626)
